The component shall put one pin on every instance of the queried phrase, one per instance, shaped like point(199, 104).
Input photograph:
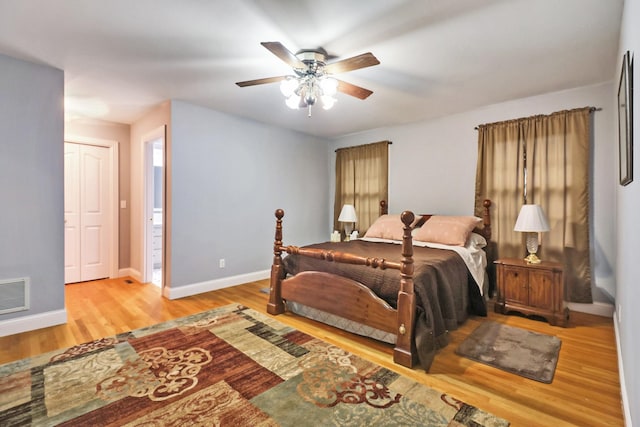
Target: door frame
point(114, 193)
point(147, 237)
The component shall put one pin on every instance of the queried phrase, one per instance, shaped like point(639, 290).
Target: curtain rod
point(362, 145)
point(591, 110)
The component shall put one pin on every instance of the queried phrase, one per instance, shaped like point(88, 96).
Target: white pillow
point(476, 241)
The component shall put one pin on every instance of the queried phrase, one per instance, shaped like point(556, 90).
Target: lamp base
point(532, 248)
point(348, 228)
point(533, 259)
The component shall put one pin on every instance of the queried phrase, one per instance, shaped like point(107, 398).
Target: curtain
point(550, 153)
point(362, 174)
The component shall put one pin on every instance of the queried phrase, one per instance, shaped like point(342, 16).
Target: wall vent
point(14, 295)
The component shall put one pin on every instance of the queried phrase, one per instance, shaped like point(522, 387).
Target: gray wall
point(31, 181)
point(228, 176)
point(432, 164)
point(627, 232)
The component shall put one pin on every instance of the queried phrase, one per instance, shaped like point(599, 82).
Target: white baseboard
point(131, 272)
point(623, 388)
point(212, 285)
point(598, 308)
point(32, 322)
point(126, 272)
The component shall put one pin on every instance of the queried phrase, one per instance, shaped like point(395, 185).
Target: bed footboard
point(347, 298)
point(340, 296)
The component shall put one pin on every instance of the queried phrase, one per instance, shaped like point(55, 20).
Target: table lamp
point(532, 221)
point(348, 216)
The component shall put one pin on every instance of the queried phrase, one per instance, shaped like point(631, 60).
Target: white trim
point(212, 285)
point(32, 322)
point(147, 203)
point(133, 273)
point(598, 308)
point(114, 253)
point(623, 388)
point(126, 272)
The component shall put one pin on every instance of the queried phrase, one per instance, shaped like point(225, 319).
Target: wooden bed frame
point(350, 299)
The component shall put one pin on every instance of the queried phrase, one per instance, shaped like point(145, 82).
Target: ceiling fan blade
point(261, 81)
point(353, 90)
point(283, 53)
point(354, 63)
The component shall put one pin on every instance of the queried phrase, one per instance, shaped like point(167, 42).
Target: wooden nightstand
point(532, 289)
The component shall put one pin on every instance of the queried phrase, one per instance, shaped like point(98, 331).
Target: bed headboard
point(484, 231)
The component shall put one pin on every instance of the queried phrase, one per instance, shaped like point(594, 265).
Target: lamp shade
point(348, 214)
point(531, 219)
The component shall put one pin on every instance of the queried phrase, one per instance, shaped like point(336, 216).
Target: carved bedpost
point(275, 305)
point(405, 352)
point(486, 219)
point(384, 209)
point(491, 250)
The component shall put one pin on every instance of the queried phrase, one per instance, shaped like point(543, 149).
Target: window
point(362, 174)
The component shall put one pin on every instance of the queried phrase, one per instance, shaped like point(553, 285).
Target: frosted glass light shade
point(329, 86)
point(327, 102)
point(288, 86)
point(293, 102)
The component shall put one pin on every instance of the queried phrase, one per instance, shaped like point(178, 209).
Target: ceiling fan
point(313, 77)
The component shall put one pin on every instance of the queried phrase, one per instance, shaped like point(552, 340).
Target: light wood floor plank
point(585, 390)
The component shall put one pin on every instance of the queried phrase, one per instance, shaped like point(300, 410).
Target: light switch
point(123, 204)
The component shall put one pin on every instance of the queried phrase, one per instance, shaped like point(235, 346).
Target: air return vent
point(14, 295)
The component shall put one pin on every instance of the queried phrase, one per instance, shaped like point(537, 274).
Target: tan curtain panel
point(557, 176)
point(362, 175)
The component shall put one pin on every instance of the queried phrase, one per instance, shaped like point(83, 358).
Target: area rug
point(229, 366)
point(521, 352)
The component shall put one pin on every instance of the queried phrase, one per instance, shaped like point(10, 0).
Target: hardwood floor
point(585, 390)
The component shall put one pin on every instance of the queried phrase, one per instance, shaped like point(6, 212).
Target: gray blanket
point(441, 285)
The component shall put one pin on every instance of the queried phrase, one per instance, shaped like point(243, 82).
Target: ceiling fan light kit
point(304, 91)
point(313, 79)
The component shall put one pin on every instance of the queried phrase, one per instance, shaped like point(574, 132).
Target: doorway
point(90, 209)
point(154, 149)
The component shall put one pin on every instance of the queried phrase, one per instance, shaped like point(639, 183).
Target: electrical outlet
point(222, 263)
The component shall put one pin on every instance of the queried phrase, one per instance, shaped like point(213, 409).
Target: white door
point(87, 207)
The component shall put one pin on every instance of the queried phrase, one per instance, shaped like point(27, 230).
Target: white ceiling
point(437, 57)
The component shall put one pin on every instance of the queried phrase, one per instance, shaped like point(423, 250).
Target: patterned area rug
point(521, 352)
point(228, 366)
